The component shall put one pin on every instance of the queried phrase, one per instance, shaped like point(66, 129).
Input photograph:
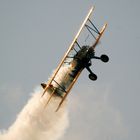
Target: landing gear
point(92, 76)
point(104, 58)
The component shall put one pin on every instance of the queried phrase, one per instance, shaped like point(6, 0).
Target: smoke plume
point(37, 122)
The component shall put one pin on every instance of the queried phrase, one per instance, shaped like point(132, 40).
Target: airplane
point(77, 58)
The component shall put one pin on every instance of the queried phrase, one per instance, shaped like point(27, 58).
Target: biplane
point(77, 58)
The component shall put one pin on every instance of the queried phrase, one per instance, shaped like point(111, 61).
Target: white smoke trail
point(37, 122)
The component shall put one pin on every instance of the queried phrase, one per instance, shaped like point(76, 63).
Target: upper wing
point(69, 50)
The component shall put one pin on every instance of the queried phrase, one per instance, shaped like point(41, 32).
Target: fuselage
point(63, 82)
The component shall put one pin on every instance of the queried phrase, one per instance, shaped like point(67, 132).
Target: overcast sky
point(34, 35)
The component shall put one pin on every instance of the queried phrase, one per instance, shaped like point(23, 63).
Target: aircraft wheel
point(92, 77)
point(104, 58)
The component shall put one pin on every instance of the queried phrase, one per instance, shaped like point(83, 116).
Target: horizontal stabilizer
point(43, 85)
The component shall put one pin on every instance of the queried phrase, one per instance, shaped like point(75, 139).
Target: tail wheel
point(92, 77)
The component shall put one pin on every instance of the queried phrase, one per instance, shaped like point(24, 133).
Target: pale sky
point(34, 35)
